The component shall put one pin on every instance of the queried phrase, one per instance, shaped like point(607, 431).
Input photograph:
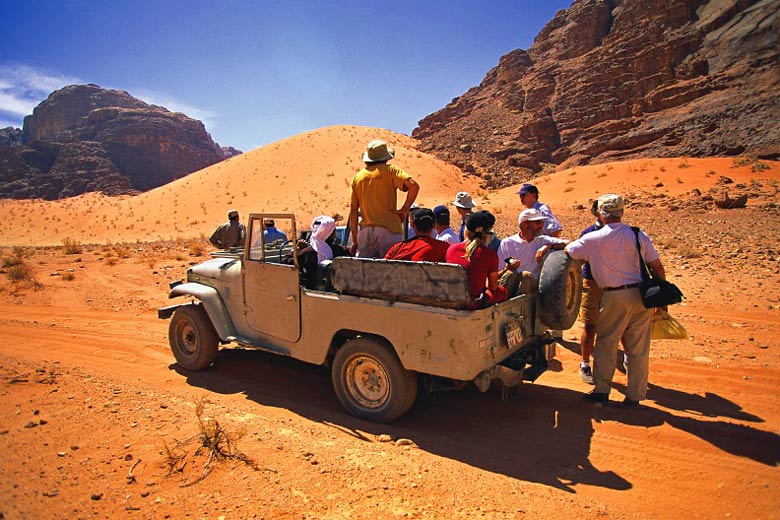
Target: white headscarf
point(321, 228)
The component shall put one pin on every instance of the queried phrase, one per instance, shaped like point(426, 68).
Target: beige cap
point(610, 205)
point(530, 215)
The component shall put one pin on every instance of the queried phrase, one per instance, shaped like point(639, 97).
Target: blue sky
point(257, 72)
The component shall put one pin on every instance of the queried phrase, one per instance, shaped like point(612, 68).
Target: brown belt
point(620, 288)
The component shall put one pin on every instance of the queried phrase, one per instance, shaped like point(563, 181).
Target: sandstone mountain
point(612, 79)
point(84, 138)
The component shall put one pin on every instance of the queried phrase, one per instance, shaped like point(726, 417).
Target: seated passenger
point(422, 247)
point(522, 253)
point(320, 248)
point(270, 233)
point(480, 261)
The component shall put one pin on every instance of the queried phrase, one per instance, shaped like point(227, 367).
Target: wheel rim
point(188, 339)
point(367, 381)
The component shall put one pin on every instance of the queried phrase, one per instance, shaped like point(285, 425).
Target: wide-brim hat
point(378, 151)
point(463, 200)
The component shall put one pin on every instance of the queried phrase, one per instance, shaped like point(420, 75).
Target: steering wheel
point(281, 249)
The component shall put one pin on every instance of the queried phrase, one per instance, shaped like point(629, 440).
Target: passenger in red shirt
point(480, 261)
point(422, 247)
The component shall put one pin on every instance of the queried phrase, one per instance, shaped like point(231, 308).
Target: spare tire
point(560, 290)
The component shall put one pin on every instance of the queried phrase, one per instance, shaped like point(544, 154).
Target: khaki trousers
point(622, 315)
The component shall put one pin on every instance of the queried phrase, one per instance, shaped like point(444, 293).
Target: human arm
point(214, 238)
point(657, 268)
point(353, 221)
point(548, 247)
point(411, 188)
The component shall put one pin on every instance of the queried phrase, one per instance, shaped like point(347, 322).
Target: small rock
point(31, 424)
point(43, 421)
point(404, 442)
point(145, 494)
point(60, 453)
point(384, 438)
point(96, 496)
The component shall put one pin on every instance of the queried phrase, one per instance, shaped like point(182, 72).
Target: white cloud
point(22, 87)
point(208, 117)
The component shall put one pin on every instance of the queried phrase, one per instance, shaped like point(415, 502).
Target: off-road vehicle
point(387, 329)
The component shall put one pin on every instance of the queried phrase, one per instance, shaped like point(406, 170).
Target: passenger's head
point(423, 221)
point(377, 151)
point(442, 216)
point(269, 223)
point(233, 214)
point(479, 230)
point(531, 223)
point(529, 194)
point(464, 204)
point(322, 227)
point(610, 207)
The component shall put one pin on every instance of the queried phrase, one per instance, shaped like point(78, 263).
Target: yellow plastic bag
point(666, 327)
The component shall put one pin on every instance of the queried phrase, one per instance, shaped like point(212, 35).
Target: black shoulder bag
point(655, 291)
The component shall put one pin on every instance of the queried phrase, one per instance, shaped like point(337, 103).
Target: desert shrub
point(71, 246)
point(197, 248)
point(122, 250)
point(21, 272)
point(683, 164)
point(68, 276)
point(11, 261)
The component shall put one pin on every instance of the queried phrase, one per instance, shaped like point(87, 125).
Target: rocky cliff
point(611, 79)
point(85, 138)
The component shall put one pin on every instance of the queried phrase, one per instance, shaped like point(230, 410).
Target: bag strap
point(642, 265)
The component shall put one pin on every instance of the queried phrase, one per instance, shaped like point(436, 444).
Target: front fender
point(213, 304)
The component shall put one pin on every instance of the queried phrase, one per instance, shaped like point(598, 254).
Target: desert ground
point(97, 420)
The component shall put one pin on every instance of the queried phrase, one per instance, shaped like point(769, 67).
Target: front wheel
point(370, 381)
point(192, 337)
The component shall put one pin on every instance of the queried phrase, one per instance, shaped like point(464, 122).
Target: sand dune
point(309, 174)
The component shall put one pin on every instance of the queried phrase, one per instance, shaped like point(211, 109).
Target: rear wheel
point(370, 381)
point(560, 290)
point(192, 337)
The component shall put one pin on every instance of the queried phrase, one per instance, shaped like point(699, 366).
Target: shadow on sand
point(548, 443)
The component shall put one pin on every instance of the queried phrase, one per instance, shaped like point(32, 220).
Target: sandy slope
point(309, 174)
point(89, 391)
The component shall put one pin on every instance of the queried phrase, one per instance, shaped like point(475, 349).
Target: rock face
point(85, 138)
point(612, 79)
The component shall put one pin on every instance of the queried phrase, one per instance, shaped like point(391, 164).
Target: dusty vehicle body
point(383, 326)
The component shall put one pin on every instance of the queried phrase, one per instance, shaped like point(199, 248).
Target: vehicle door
point(272, 291)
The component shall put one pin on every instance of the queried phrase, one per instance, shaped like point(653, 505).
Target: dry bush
point(68, 276)
point(71, 246)
point(11, 261)
point(212, 440)
point(122, 250)
point(21, 272)
point(197, 248)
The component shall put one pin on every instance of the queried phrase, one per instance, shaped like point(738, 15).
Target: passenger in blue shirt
point(270, 233)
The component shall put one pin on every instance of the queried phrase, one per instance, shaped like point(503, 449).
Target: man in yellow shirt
point(374, 199)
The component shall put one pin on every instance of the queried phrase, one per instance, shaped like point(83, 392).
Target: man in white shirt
point(612, 254)
point(441, 226)
point(524, 251)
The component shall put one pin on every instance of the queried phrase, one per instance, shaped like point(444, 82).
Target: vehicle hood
point(216, 269)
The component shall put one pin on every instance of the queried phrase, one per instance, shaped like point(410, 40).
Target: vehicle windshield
point(271, 239)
